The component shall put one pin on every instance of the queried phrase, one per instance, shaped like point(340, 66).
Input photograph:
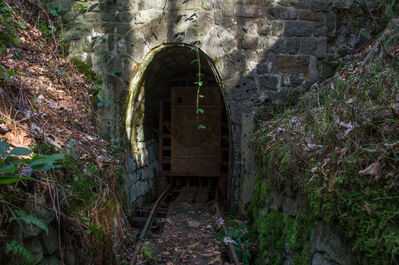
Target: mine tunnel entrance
point(192, 142)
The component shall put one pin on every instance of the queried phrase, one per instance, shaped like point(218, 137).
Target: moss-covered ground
point(339, 147)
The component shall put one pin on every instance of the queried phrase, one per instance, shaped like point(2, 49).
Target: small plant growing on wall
point(199, 76)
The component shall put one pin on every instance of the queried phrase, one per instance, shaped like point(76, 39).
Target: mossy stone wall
point(265, 51)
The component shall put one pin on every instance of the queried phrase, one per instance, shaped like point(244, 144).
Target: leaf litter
point(186, 238)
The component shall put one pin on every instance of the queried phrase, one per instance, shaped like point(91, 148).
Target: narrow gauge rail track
point(180, 219)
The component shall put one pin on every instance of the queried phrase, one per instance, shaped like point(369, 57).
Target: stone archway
point(157, 89)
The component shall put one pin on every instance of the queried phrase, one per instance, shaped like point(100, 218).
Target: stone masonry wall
point(265, 51)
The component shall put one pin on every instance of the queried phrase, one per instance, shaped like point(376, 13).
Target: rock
point(234, 62)
point(281, 13)
point(343, 3)
point(50, 261)
point(40, 212)
point(309, 46)
point(318, 6)
point(326, 240)
point(292, 64)
point(295, 3)
point(248, 159)
point(30, 230)
point(50, 240)
point(76, 35)
point(296, 80)
point(363, 37)
point(35, 248)
point(292, 45)
point(331, 23)
point(298, 29)
point(290, 206)
point(312, 16)
point(270, 28)
point(267, 82)
point(250, 11)
point(70, 256)
point(319, 259)
point(193, 224)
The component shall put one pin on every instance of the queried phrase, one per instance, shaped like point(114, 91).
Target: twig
point(374, 48)
point(386, 198)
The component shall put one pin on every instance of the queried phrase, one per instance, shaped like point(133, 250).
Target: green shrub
point(8, 28)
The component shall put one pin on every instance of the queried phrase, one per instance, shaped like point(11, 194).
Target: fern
point(29, 219)
point(20, 251)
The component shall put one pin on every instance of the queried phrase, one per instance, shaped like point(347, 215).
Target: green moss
point(85, 69)
point(9, 36)
point(43, 148)
point(279, 234)
point(363, 206)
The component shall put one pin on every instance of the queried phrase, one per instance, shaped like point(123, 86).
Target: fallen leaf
point(366, 207)
point(194, 245)
point(331, 181)
point(164, 251)
point(193, 224)
point(372, 170)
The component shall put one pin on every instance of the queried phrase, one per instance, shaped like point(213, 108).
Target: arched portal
point(192, 145)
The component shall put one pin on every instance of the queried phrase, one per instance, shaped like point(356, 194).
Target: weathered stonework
point(264, 51)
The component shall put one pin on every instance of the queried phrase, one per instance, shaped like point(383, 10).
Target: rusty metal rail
point(153, 213)
point(148, 223)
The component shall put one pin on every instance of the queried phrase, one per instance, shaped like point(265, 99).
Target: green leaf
point(56, 156)
point(201, 96)
point(200, 111)
point(20, 161)
point(12, 73)
point(29, 219)
point(45, 162)
point(20, 151)
point(8, 168)
point(12, 179)
point(199, 75)
point(201, 127)
point(199, 83)
point(20, 250)
point(4, 147)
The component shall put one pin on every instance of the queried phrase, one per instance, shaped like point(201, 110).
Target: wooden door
point(195, 151)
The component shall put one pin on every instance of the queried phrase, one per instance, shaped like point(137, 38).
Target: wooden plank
point(160, 137)
point(186, 174)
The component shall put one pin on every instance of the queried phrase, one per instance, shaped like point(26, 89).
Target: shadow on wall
point(283, 47)
point(266, 51)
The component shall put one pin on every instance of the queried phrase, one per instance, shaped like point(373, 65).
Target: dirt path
point(186, 238)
